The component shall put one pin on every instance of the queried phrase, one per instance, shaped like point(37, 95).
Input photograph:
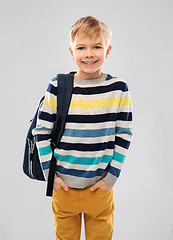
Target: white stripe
point(124, 124)
point(46, 158)
point(49, 110)
point(46, 124)
point(51, 96)
point(82, 167)
point(125, 109)
point(95, 97)
point(44, 143)
point(124, 136)
point(90, 126)
point(116, 164)
point(88, 140)
point(93, 111)
point(103, 83)
point(120, 150)
point(125, 94)
point(41, 131)
point(75, 153)
point(46, 173)
point(54, 83)
point(78, 182)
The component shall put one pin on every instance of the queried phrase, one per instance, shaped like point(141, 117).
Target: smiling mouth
point(89, 62)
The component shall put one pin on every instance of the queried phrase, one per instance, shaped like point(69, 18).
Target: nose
point(89, 53)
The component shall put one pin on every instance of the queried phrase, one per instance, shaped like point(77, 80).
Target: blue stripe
point(97, 118)
point(122, 142)
point(109, 77)
point(45, 165)
point(40, 127)
point(45, 150)
point(47, 116)
point(87, 147)
point(89, 133)
point(52, 89)
point(124, 116)
point(42, 137)
point(119, 157)
point(102, 89)
point(120, 130)
point(114, 171)
point(83, 160)
point(54, 79)
point(80, 173)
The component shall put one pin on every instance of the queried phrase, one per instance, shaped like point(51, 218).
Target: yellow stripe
point(110, 102)
point(50, 103)
point(125, 102)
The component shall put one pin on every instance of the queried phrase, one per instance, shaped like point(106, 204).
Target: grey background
point(34, 48)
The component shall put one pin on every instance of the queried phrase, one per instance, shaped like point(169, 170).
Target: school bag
point(31, 163)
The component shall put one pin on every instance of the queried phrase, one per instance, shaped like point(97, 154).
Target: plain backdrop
point(34, 45)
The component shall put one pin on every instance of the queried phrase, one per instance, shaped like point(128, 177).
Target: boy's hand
point(58, 183)
point(102, 185)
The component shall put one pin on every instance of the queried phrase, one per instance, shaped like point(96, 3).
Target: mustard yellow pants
point(97, 208)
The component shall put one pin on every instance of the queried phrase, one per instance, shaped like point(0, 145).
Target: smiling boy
point(96, 137)
point(89, 53)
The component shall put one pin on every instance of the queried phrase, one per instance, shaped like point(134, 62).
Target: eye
point(80, 48)
point(97, 47)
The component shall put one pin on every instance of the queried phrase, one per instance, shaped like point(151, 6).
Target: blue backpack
point(31, 163)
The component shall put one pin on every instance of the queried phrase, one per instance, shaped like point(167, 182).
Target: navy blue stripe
point(80, 173)
point(52, 89)
point(109, 77)
point(47, 117)
point(42, 137)
point(124, 116)
point(92, 118)
point(87, 147)
point(122, 142)
point(114, 171)
point(102, 89)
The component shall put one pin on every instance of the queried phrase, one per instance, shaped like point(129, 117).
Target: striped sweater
point(97, 131)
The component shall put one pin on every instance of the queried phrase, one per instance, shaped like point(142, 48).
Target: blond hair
point(91, 27)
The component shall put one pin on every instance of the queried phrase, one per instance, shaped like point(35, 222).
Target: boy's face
point(89, 55)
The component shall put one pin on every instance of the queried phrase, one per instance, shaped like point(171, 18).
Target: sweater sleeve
point(45, 123)
point(123, 134)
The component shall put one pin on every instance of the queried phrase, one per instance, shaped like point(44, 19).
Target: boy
point(95, 140)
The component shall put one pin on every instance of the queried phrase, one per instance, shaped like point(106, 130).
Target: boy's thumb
point(65, 187)
point(94, 187)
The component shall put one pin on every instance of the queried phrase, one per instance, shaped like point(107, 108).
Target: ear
point(71, 51)
point(108, 51)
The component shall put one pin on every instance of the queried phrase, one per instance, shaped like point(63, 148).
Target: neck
point(88, 76)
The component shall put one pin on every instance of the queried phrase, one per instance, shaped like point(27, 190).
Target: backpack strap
point(65, 88)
